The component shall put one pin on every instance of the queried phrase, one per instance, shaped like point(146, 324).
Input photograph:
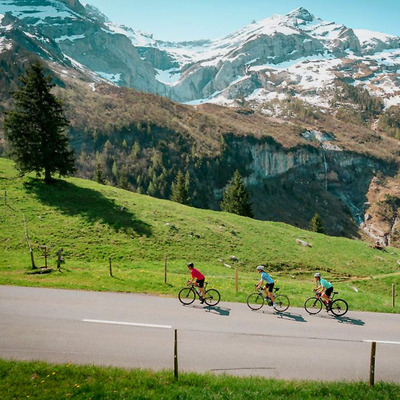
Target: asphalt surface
point(137, 331)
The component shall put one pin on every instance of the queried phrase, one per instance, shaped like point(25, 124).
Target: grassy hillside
point(139, 141)
point(93, 223)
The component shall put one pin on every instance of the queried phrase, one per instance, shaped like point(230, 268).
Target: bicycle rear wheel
point(212, 297)
point(255, 301)
point(282, 303)
point(187, 296)
point(313, 305)
point(339, 307)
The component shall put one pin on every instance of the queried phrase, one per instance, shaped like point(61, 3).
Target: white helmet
point(317, 275)
point(260, 268)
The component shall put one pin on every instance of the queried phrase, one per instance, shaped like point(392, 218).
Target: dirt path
point(366, 278)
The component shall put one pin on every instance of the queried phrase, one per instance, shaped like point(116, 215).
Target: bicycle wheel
point(212, 297)
point(186, 296)
point(255, 301)
point(313, 305)
point(339, 307)
point(282, 303)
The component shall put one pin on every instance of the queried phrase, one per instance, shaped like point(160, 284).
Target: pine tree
point(235, 198)
point(123, 181)
point(114, 170)
point(180, 189)
point(99, 174)
point(35, 128)
point(316, 224)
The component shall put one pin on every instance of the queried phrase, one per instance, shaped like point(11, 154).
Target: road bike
point(256, 300)
point(338, 307)
point(188, 295)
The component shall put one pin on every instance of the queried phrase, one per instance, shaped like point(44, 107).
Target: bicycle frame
point(266, 296)
point(196, 288)
point(319, 297)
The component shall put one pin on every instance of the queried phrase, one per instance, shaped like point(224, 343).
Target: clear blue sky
point(178, 20)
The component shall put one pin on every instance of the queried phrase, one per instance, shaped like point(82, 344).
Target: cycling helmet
point(190, 265)
point(260, 268)
point(317, 275)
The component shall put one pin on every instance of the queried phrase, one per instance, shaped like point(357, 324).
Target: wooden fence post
point(176, 354)
point(393, 294)
point(165, 269)
point(109, 260)
point(59, 258)
point(29, 242)
point(236, 280)
point(372, 364)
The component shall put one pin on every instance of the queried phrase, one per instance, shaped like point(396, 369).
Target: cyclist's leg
point(326, 295)
point(270, 293)
point(201, 287)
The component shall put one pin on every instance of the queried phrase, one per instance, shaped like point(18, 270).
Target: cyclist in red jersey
point(196, 274)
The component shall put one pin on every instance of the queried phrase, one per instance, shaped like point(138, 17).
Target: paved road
point(134, 330)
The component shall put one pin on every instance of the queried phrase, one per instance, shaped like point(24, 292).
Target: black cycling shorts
point(200, 282)
point(329, 291)
point(269, 286)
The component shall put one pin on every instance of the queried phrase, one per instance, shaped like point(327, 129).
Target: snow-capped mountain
point(66, 32)
point(285, 55)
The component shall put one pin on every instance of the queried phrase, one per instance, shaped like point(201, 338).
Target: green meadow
point(42, 381)
point(96, 225)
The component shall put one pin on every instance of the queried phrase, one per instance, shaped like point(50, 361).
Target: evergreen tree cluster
point(316, 224)
point(236, 197)
point(180, 189)
point(389, 121)
point(368, 106)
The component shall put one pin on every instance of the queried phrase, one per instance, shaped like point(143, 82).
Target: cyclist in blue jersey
point(323, 287)
point(268, 285)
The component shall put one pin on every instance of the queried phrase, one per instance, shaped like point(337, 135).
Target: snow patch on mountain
point(55, 10)
point(5, 44)
point(366, 36)
point(169, 77)
point(71, 38)
point(138, 38)
point(114, 78)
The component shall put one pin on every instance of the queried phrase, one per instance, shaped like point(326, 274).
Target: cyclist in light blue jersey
point(323, 287)
point(268, 285)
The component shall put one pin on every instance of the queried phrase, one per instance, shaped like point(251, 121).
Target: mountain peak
point(74, 5)
point(301, 13)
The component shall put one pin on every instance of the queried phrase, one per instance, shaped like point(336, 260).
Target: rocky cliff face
point(295, 183)
point(381, 219)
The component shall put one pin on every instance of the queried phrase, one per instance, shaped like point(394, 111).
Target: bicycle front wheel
point(339, 307)
point(313, 305)
point(255, 301)
point(282, 303)
point(187, 296)
point(212, 297)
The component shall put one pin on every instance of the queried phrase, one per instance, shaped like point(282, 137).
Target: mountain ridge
point(278, 57)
